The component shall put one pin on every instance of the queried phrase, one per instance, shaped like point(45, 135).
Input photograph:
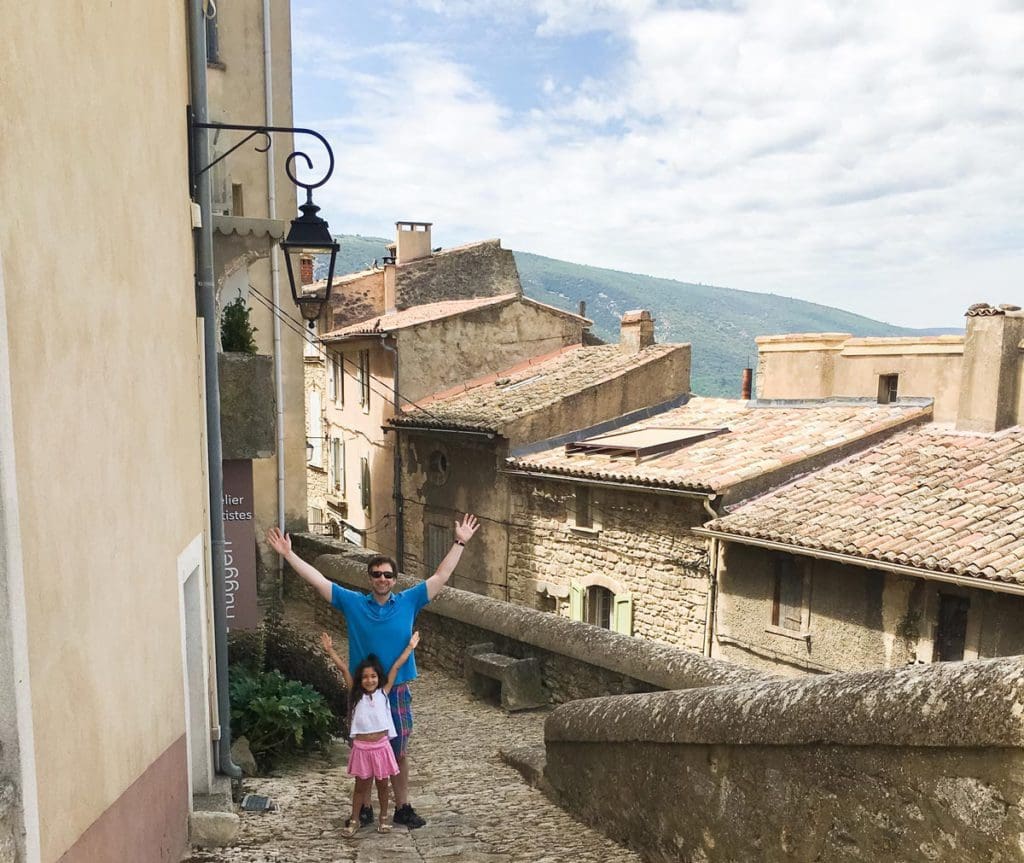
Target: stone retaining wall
point(577, 660)
point(924, 763)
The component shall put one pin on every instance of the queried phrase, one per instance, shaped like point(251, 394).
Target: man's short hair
point(377, 560)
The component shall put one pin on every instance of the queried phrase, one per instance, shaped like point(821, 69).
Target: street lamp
point(309, 234)
point(307, 237)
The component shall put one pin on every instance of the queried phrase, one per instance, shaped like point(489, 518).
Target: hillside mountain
point(720, 323)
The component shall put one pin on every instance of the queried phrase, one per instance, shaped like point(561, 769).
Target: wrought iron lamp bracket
point(266, 131)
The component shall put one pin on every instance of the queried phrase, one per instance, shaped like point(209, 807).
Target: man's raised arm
point(463, 534)
point(282, 544)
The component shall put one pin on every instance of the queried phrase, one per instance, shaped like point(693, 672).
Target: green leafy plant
point(277, 715)
point(236, 331)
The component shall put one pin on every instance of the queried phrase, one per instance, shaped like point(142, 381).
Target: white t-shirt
point(373, 714)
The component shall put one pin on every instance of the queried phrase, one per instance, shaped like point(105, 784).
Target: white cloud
point(865, 155)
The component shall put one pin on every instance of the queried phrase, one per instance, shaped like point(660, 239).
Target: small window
point(951, 633)
point(339, 380)
point(610, 607)
point(315, 438)
point(439, 542)
point(597, 606)
point(363, 379)
point(584, 513)
point(212, 39)
point(788, 599)
point(237, 200)
point(888, 387)
point(338, 465)
point(438, 467)
point(364, 482)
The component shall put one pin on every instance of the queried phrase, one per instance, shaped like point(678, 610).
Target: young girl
point(371, 727)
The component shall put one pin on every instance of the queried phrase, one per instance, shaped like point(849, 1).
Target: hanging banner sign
point(239, 546)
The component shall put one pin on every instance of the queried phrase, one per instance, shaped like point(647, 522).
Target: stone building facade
point(908, 552)
point(455, 443)
point(636, 563)
point(603, 527)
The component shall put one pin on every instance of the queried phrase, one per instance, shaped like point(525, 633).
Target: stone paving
point(478, 809)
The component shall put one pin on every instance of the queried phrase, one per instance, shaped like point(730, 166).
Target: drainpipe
point(709, 614)
point(275, 277)
point(399, 502)
point(208, 311)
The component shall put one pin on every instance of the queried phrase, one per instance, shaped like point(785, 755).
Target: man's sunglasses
point(381, 573)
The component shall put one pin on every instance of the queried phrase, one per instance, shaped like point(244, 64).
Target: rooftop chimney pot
point(412, 241)
point(636, 331)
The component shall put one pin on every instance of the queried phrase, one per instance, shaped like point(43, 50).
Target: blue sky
point(866, 155)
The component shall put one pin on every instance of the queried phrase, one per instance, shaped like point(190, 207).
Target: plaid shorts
point(401, 712)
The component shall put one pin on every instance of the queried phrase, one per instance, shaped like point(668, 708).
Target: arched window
point(597, 606)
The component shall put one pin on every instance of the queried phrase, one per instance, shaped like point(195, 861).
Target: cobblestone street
point(478, 809)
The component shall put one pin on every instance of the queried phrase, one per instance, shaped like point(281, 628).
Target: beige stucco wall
point(642, 545)
point(858, 618)
point(237, 95)
point(836, 364)
point(442, 354)
point(105, 381)
point(362, 430)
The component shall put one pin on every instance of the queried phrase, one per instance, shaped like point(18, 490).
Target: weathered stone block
point(213, 829)
point(248, 407)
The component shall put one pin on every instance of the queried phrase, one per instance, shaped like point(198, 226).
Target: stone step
point(213, 829)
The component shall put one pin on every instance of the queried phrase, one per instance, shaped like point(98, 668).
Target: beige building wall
point(854, 618)
point(106, 414)
point(639, 546)
point(821, 365)
point(445, 353)
point(237, 95)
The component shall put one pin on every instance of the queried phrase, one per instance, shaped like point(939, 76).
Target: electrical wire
point(296, 326)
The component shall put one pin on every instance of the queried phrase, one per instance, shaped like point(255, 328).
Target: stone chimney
point(412, 241)
point(306, 270)
point(746, 383)
point(636, 332)
point(989, 376)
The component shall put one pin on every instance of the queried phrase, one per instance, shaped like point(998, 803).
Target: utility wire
point(296, 326)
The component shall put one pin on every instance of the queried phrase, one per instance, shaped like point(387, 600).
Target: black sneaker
point(407, 815)
point(365, 816)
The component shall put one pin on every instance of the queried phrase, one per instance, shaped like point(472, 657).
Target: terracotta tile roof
point(487, 404)
point(928, 497)
point(415, 316)
point(761, 440)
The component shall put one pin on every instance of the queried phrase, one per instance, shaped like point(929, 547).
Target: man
point(381, 622)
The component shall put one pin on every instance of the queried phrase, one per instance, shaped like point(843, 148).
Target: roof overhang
point(865, 562)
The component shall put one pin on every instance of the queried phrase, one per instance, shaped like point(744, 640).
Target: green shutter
point(622, 613)
point(575, 601)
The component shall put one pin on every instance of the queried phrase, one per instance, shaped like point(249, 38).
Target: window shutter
point(365, 482)
point(575, 601)
point(622, 614)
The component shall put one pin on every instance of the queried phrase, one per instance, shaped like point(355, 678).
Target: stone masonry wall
point(477, 270)
point(642, 544)
point(577, 660)
point(923, 763)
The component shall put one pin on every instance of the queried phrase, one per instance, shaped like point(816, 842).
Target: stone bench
point(518, 682)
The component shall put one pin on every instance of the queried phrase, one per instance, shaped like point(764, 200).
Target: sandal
point(383, 826)
point(350, 828)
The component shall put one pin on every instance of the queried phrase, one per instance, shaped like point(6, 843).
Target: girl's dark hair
point(357, 691)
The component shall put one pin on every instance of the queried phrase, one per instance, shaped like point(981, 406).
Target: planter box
point(247, 405)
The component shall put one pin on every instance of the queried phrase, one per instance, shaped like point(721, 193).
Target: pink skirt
point(372, 759)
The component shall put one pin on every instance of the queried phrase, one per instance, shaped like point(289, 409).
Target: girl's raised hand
point(325, 642)
point(415, 640)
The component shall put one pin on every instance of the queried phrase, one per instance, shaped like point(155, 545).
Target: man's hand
point(280, 542)
point(464, 531)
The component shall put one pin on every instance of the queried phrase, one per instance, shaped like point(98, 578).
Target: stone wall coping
point(657, 664)
point(949, 704)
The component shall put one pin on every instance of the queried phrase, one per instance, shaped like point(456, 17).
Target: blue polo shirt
point(381, 629)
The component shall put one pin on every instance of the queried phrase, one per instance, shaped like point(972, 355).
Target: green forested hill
point(720, 323)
